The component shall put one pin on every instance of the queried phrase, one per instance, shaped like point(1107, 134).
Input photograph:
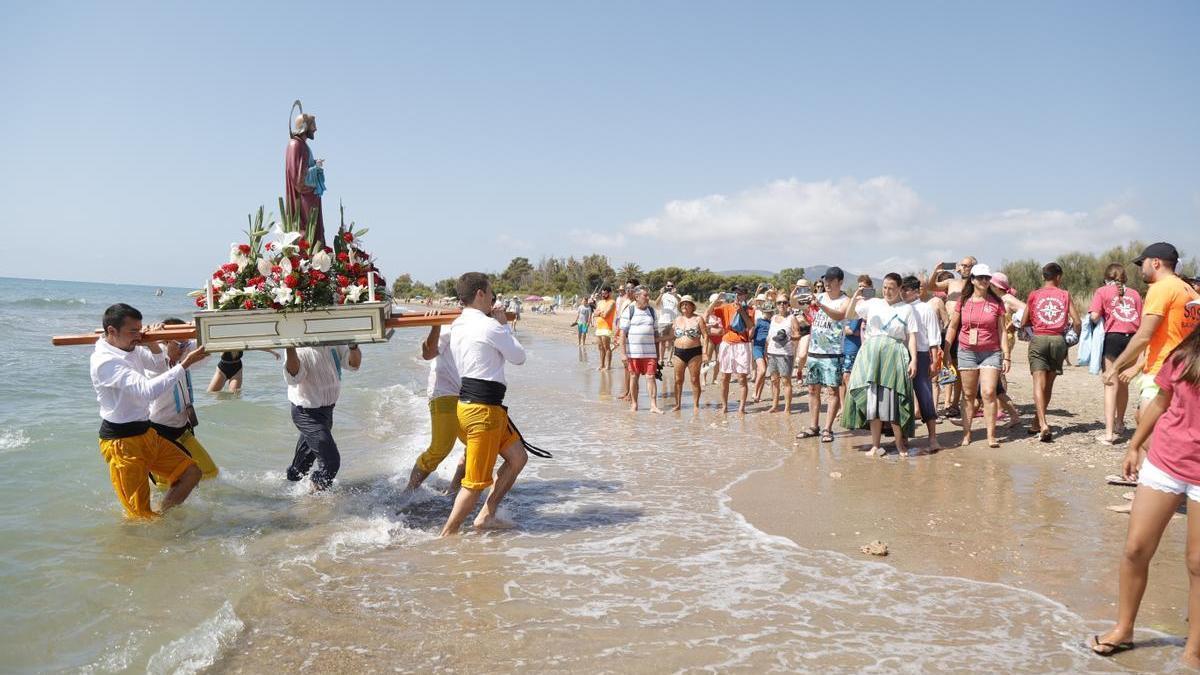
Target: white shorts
point(1153, 477)
point(734, 358)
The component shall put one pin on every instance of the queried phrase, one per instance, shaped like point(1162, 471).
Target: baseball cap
point(834, 273)
point(1161, 250)
point(738, 289)
point(981, 270)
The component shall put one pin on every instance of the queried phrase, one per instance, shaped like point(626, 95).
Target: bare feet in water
point(655, 409)
point(492, 522)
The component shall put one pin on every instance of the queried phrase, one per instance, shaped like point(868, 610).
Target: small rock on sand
point(875, 548)
point(835, 474)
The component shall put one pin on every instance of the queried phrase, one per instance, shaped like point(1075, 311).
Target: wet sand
point(1029, 514)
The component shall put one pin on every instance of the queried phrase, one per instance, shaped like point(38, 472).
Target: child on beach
point(1166, 471)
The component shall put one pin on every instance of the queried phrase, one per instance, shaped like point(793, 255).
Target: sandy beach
point(1029, 514)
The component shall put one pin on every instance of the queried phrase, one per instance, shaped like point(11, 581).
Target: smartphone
point(949, 267)
point(729, 297)
point(867, 293)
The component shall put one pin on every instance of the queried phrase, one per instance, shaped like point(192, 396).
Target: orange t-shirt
point(727, 312)
point(605, 311)
point(1168, 298)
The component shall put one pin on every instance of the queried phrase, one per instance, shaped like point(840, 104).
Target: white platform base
point(267, 328)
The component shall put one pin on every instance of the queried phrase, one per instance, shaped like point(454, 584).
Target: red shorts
point(647, 366)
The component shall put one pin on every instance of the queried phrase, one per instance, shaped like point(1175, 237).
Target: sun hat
point(802, 282)
point(761, 297)
point(1000, 280)
point(688, 298)
point(713, 298)
point(981, 270)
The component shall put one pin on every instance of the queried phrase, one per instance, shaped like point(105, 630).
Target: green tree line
point(1082, 273)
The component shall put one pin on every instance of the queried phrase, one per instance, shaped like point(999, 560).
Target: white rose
point(321, 261)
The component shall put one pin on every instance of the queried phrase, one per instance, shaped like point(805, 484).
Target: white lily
point(286, 265)
point(229, 294)
point(218, 283)
point(321, 261)
point(285, 239)
point(264, 267)
point(283, 295)
point(354, 292)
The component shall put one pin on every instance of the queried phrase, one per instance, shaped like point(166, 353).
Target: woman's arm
point(1149, 417)
point(952, 330)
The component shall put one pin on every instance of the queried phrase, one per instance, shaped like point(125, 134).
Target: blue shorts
point(583, 329)
point(848, 361)
point(760, 352)
point(824, 370)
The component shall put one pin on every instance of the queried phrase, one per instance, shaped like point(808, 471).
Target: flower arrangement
point(290, 271)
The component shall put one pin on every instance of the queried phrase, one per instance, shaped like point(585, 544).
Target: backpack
point(653, 316)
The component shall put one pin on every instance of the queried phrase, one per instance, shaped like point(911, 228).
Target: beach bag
point(737, 324)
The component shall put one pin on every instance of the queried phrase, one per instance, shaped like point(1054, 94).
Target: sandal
point(809, 432)
point(1110, 648)
point(827, 436)
point(993, 444)
point(1047, 437)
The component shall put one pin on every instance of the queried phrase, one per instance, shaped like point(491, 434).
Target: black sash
point(169, 433)
point(112, 430)
point(488, 392)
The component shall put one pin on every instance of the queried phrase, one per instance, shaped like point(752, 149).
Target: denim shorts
point(974, 360)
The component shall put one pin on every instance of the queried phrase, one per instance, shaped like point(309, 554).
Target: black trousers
point(315, 442)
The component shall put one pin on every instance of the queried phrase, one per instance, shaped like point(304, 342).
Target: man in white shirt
point(481, 343)
point(929, 340)
point(638, 331)
point(314, 378)
point(444, 384)
point(625, 300)
point(173, 414)
point(124, 391)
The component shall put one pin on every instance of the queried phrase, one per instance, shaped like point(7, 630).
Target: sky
point(875, 136)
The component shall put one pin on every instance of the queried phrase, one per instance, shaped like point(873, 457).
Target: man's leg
point(182, 488)
point(814, 404)
point(724, 392)
point(1039, 399)
point(515, 459)
point(303, 458)
point(483, 426)
point(443, 418)
point(316, 427)
point(652, 390)
point(633, 389)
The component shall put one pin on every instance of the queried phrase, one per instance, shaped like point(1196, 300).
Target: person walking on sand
point(951, 289)
point(314, 379)
point(929, 344)
point(734, 351)
point(716, 330)
point(1164, 458)
point(442, 390)
point(783, 337)
point(624, 301)
point(1120, 308)
point(481, 342)
point(129, 444)
point(977, 329)
point(1166, 320)
point(1050, 312)
point(880, 388)
point(668, 308)
point(689, 330)
point(764, 311)
point(605, 318)
point(638, 329)
point(824, 367)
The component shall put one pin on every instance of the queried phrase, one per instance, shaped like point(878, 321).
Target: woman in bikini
point(229, 372)
point(689, 337)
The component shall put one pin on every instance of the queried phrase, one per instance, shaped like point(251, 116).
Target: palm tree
point(629, 271)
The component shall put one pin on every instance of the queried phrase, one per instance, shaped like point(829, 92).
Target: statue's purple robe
point(295, 169)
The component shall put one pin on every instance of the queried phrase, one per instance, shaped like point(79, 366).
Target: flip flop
point(1047, 437)
point(1112, 649)
point(826, 436)
point(1114, 479)
point(1120, 508)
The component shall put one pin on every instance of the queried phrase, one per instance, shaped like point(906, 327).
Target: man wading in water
point(128, 444)
point(480, 343)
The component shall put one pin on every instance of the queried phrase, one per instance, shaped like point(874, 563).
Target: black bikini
point(230, 364)
point(686, 354)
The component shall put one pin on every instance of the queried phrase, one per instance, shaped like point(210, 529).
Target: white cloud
point(875, 225)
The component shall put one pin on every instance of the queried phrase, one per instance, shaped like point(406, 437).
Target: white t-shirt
point(929, 329)
point(318, 382)
point(781, 323)
point(443, 374)
point(638, 326)
point(881, 319)
point(669, 310)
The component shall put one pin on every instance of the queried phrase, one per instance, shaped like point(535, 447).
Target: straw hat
point(803, 283)
point(688, 298)
point(713, 298)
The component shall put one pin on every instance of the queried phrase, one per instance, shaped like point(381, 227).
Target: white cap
point(760, 298)
point(981, 270)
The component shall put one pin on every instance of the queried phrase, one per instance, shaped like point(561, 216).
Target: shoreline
point(1028, 515)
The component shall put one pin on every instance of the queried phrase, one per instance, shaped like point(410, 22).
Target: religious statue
point(304, 176)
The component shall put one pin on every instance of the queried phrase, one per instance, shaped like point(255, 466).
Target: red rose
point(229, 267)
point(339, 299)
point(276, 305)
point(248, 304)
point(295, 260)
point(244, 248)
point(343, 257)
point(303, 244)
point(347, 237)
point(276, 269)
point(291, 280)
point(201, 302)
point(299, 296)
point(343, 280)
point(328, 249)
point(362, 281)
point(218, 274)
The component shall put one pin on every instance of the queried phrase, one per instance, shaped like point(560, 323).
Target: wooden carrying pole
point(187, 331)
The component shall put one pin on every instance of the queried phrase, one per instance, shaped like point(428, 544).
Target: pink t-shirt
point(1049, 311)
point(1175, 443)
point(984, 318)
point(1122, 313)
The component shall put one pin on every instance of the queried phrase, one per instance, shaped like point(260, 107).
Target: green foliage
point(445, 287)
point(787, 277)
point(405, 287)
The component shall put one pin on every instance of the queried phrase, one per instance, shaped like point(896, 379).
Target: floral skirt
point(879, 386)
